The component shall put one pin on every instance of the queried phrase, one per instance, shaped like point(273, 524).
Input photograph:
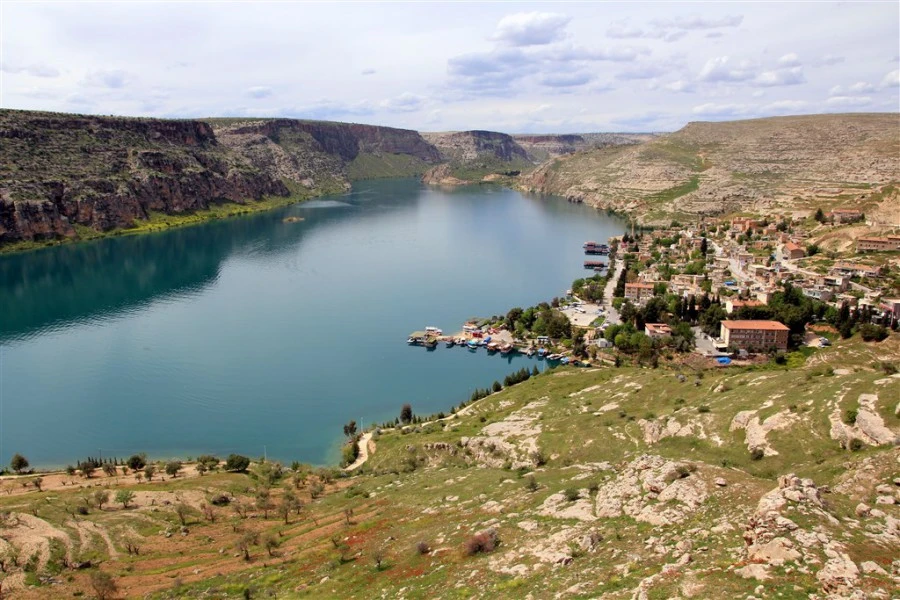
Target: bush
point(856, 445)
point(850, 416)
point(703, 408)
point(571, 494)
point(423, 548)
point(531, 484)
point(236, 462)
point(482, 542)
point(757, 454)
point(872, 333)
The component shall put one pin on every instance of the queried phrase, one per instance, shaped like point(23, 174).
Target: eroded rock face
point(104, 172)
point(652, 489)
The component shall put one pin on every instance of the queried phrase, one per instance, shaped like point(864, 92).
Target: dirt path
point(363, 452)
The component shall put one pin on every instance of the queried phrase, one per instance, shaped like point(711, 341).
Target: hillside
point(585, 483)
point(470, 156)
point(773, 165)
point(75, 176)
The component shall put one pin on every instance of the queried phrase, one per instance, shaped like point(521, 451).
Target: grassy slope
point(412, 491)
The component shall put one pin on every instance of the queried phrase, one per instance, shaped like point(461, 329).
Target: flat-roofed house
point(755, 335)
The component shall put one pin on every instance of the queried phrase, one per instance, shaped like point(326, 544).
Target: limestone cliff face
point(465, 146)
point(61, 171)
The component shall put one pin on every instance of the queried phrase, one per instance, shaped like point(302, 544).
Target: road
point(612, 315)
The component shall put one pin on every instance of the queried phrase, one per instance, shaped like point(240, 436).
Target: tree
point(18, 463)
point(124, 497)
point(350, 429)
point(104, 585)
point(136, 462)
point(182, 510)
point(820, 216)
point(406, 414)
point(87, 469)
point(270, 543)
point(704, 246)
point(110, 470)
point(264, 501)
point(149, 472)
point(101, 497)
point(246, 541)
point(236, 462)
point(172, 468)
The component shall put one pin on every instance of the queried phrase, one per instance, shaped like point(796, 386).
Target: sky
point(513, 67)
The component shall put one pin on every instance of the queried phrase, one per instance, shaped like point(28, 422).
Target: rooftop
point(766, 325)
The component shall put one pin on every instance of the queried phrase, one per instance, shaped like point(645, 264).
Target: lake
point(254, 335)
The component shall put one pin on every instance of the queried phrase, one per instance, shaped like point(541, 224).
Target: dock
point(595, 264)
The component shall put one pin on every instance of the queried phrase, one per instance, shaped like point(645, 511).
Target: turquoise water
point(252, 335)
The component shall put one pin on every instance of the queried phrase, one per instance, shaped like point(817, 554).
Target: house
point(755, 335)
point(845, 215)
point(743, 224)
point(638, 293)
point(878, 244)
point(818, 293)
point(835, 282)
point(792, 251)
point(855, 269)
point(736, 304)
point(657, 330)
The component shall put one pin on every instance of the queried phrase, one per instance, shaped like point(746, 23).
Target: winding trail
point(363, 452)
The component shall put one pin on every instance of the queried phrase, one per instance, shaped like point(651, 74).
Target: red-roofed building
point(792, 251)
point(755, 335)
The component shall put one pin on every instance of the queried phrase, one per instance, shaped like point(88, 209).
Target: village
point(736, 289)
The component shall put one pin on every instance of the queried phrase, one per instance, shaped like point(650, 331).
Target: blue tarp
point(723, 360)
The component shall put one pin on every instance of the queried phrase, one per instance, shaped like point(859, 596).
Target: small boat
point(451, 342)
point(530, 352)
point(431, 343)
point(506, 348)
point(472, 345)
point(542, 352)
point(492, 347)
point(564, 361)
point(414, 341)
point(554, 357)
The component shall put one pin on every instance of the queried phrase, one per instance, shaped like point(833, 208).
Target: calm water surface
point(251, 334)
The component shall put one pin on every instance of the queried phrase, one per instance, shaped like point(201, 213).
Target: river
point(255, 335)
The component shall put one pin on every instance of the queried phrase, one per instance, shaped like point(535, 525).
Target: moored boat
point(506, 348)
point(451, 342)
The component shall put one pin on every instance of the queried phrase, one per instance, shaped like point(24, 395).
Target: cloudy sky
point(525, 67)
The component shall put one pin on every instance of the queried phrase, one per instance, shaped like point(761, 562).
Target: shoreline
point(160, 222)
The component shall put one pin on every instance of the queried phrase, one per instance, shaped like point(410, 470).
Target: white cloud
point(789, 60)
point(531, 28)
point(785, 107)
point(792, 76)
point(720, 69)
point(108, 78)
point(698, 22)
point(33, 69)
point(565, 79)
point(827, 60)
point(403, 103)
point(680, 86)
point(368, 72)
point(849, 101)
point(891, 80)
point(711, 109)
point(259, 91)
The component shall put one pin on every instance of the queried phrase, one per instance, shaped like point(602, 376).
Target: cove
point(255, 335)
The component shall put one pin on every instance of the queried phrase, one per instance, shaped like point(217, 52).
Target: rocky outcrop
point(63, 171)
point(468, 146)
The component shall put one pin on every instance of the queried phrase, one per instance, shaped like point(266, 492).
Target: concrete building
point(737, 304)
point(878, 244)
point(638, 293)
point(657, 330)
point(845, 215)
point(755, 335)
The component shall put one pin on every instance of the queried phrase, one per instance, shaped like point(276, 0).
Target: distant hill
point(775, 164)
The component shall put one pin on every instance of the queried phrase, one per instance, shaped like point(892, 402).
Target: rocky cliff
point(475, 155)
point(61, 172)
point(763, 165)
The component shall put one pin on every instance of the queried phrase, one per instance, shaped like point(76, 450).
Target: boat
point(493, 347)
point(506, 348)
point(564, 360)
point(530, 351)
point(472, 345)
point(542, 352)
point(431, 343)
point(451, 343)
point(414, 341)
point(554, 357)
